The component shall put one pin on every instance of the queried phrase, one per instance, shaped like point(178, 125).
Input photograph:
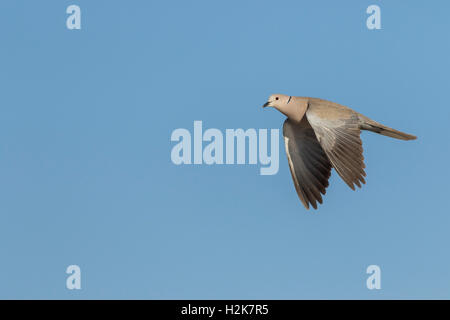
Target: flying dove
point(320, 135)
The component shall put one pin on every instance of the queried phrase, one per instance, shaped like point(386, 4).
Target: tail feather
point(370, 125)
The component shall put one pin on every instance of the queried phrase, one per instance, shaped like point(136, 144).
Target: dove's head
point(276, 101)
point(286, 105)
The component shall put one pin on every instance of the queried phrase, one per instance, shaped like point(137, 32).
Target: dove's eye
point(276, 98)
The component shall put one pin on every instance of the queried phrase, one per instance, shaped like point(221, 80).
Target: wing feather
point(337, 129)
point(308, 163)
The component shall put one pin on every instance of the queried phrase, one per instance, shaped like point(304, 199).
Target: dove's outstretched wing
point(337, 129)
point(310, 167)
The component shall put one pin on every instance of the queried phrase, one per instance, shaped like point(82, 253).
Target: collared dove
point(320, 135)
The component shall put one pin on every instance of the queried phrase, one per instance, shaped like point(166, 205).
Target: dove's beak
point(266, 104)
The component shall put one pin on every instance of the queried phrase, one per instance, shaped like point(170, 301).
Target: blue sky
point(85, 171)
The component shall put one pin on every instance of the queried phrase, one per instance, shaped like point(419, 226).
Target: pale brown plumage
point(319, 135)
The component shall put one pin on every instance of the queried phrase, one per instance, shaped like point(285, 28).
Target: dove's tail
point(369, 124)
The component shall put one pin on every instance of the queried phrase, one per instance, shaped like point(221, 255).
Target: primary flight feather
point(320, 135)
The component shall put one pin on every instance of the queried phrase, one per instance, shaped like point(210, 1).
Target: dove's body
point(319, 135)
